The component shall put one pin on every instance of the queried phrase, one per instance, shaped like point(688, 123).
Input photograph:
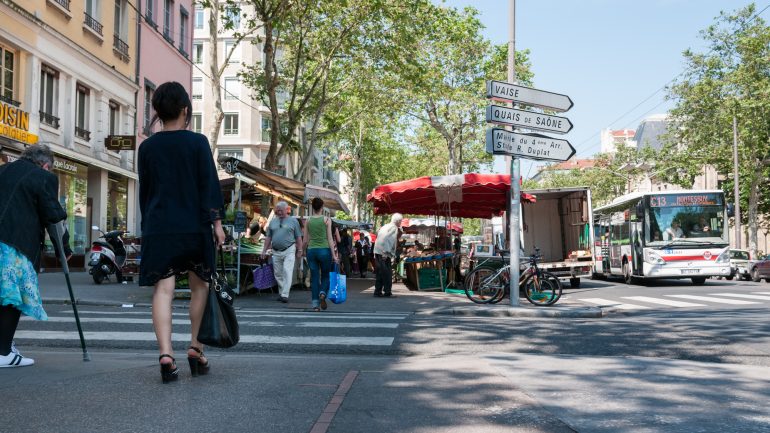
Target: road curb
point(508, 311)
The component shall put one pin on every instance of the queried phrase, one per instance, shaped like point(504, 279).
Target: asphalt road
point(665, 357)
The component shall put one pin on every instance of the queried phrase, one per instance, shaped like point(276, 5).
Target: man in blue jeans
point(384, 252)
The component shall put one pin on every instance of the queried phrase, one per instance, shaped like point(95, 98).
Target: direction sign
point(507, 92)
point(529, 146)
point(528, 119)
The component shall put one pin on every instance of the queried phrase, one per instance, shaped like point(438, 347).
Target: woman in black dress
point(181, 203)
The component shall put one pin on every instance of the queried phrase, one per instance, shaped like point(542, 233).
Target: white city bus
point(664, 234)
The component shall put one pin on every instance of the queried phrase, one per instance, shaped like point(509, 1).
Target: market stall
point(245, 189)
point(470, 195)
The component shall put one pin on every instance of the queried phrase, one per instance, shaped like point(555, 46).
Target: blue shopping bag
point(338, 287)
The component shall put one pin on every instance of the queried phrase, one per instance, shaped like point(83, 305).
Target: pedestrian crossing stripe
point(614, 304)
point(140, 321)
point(739, 295)
point(668, 302)
point(321, 340)
point(711, 299)
point(273, 314)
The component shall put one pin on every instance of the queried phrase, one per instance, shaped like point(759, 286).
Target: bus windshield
point(690, 219)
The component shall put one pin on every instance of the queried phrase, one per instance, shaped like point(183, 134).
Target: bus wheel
point(699, 281)
point(574, 283)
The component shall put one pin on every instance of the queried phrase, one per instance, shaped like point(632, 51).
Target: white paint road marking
point(331, 340)
point(241, 322)
point(663, 301)
point(716, 300)
point(608, 303)
point(353, 316)
point(739, 295)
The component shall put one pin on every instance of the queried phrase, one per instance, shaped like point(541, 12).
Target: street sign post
point(528, 119)
point(529, 146)
point(507, 92)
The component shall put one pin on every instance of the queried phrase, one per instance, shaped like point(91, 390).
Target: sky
point(611, 57)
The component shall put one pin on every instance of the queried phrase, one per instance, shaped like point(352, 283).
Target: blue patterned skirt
point(18, 283)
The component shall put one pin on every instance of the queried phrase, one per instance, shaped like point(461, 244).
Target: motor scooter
point(108, 256)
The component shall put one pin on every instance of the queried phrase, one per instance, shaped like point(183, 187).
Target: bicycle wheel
point(558, 286)
point(540, 292)
point(483, 285)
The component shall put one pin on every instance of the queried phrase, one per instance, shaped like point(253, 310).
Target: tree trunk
point(271, 79)
point(357, 170)
point(216, 91)
point(753, 214)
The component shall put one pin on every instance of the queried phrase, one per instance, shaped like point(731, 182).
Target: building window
point(198, 52)
point(117, 202)
point(149, 11)
point(232, 88)
point(119, 12)
point(118, 42)
point(197, 88)
point(49, 96)
point(236, 56)
point(197, 123)
point(235, 152)
point(168, 20)
point(7, 68)
point(198, 17)
point(92, 13)
point(183, 23)
point(114, 118)
point(149, 89)
point(233, 14)
point(81, 112)
point(266, 125)
point(231, 124)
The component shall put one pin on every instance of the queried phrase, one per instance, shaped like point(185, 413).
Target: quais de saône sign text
point(685, 200)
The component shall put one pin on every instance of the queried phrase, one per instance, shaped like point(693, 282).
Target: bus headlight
point(654, 258)
point(724, 257)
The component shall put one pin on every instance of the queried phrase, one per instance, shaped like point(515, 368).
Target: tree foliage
point(731, 80)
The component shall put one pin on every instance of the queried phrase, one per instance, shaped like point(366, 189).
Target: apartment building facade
point(69, 70)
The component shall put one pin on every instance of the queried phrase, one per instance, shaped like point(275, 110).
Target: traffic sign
point(507, 92)
point(529, 146)
point(528, 119)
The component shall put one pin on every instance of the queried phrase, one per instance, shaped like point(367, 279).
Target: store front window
point(117, 202)
point(73, 196)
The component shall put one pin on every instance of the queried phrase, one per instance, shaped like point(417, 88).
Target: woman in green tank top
point(317, 233)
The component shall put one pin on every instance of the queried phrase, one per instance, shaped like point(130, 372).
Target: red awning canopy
point(470, 195)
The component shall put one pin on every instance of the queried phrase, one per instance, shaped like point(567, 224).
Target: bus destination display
point(671, 200)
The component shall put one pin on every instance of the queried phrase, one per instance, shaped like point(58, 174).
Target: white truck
point(560, 225)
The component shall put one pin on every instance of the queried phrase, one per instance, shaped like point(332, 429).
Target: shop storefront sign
point(120, 142)
point(14, 124)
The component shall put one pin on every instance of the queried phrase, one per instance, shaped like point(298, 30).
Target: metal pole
point(513, 226)
point(737, 190)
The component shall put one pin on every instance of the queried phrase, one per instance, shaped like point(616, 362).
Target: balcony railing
point(82, 133)
point(63, 3)
point(49, 119)
point(120, 46)
point(11, 101)
point(93, 24)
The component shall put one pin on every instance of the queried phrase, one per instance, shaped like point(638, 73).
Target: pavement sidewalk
point(53, 289)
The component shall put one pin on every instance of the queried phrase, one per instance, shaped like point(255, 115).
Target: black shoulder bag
point(219, 326)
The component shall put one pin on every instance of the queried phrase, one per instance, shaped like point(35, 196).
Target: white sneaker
point(15, 359)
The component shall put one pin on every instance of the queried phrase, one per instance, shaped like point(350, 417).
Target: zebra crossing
point(372, 330)
point(681, 301)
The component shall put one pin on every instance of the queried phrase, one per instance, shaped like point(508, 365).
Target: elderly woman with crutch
point(28, 205)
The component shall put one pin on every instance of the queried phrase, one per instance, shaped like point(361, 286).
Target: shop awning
point(470, 195)
point(416, 225)
point(285, 188)
point(331, 198)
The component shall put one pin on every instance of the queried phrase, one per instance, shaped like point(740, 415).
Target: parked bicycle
point(487, 284)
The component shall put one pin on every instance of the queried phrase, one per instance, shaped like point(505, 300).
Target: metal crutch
point(56, 232)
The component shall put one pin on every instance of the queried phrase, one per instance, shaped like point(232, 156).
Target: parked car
point(760, 269)
point(739, 262)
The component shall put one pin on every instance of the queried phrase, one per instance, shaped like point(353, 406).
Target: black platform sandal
point(196, 366)
point(168, 372)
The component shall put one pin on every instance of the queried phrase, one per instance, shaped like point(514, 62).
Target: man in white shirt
point(673, 232)
point(384, 252)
